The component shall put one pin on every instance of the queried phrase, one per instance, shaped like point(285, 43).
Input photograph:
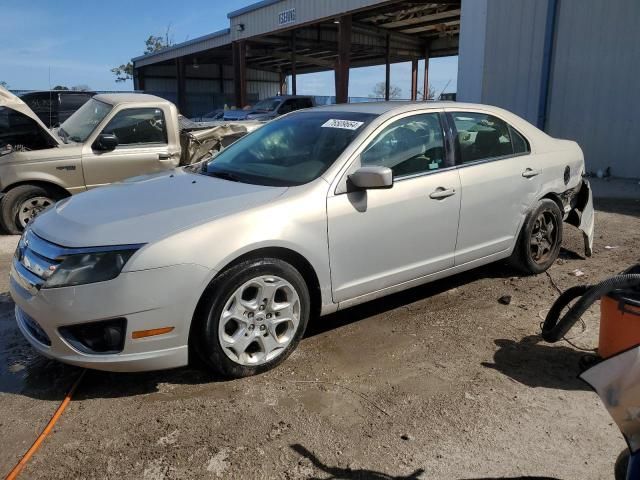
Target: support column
point(240, 72)
point(181, 93)
point(342, 64)
point(414, 80)
point(221, 77)
point(283, 83)
point(138, 78)
point(425, 88)
point(294, 87)
point(387, 67)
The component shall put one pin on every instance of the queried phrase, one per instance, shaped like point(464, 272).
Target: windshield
point(293, 150)
point(267, 104)
point(80, 125)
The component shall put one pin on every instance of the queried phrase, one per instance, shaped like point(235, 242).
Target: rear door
point(142, 148)
point(500, 180)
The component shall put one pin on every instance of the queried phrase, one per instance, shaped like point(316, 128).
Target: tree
point(431, 94)
point(4, 84)
point(152, 44)
point(379, 91)
point(60, 87)
point(81, 88)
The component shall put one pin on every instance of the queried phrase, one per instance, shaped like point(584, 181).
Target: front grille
point(32, 327)
point(38, 256)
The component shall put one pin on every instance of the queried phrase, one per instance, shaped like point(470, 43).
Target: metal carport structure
point(274, 39)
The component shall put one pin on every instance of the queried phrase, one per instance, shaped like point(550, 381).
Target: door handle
point(441, 193)
point(530, 173)
point(164, 156)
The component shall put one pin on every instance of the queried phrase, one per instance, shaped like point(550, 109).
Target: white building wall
point(501, 46)
point(595, 82)
point(471, 58)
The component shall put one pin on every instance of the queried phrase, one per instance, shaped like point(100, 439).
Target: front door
point(382, 238)
point(142, 148)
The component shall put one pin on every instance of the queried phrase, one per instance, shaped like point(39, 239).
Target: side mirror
point(372, 177)
point(105, 142)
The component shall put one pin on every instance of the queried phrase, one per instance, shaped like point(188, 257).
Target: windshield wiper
point(225, 176)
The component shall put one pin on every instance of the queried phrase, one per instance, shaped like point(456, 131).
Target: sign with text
point(286, 17)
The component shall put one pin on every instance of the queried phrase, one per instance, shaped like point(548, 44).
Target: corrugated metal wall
point(202, 86)
point(595, 82)
point(501, 44)
point(595, 71)
point(513, 55)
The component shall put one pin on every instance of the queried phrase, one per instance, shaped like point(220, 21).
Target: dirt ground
point(439, 382)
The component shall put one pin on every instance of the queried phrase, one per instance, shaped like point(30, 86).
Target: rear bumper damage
point(578, 203)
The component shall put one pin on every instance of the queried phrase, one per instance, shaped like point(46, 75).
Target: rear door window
point(483, 137)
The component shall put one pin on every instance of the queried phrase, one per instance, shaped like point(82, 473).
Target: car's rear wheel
point(540, 238)
point(251, 318)
point(22, 204)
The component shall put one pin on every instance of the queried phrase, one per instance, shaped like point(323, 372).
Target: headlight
point(82, 268)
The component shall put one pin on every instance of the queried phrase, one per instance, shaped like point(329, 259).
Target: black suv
point(55, 106)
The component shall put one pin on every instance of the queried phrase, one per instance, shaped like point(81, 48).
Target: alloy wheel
point(259, 320)
point(544, 236)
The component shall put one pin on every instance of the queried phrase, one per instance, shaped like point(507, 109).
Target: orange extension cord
point(13, 474)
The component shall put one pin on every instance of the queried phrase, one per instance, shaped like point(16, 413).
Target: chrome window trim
point(492, 159)
point(423, 174)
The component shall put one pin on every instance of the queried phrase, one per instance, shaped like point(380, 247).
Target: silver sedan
point(315, 212)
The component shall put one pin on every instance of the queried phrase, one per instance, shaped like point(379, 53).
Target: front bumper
point(148, 299)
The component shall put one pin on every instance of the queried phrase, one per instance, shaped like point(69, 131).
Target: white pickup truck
point(110, 138)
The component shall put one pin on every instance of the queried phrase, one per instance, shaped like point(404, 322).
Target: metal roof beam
point(429, 17)
point(431, 26)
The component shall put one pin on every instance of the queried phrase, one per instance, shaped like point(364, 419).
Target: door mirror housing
point(372, 177)
point(105, 142)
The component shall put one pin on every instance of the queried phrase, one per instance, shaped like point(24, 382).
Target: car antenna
point(49, 96)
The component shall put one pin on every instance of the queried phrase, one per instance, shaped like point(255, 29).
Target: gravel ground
point(439, 382)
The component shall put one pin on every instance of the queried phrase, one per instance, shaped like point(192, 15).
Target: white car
point(316, 211)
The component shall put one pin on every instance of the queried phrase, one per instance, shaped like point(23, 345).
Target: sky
point(63, 42)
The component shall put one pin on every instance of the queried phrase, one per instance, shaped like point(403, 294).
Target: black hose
point(555, 328)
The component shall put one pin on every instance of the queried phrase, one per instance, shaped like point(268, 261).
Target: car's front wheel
point(251, 318)
point(540, 238)
point(21, 204)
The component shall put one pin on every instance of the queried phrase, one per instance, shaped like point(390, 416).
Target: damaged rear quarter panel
point(573, 192)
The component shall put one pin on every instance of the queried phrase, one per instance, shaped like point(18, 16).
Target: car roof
point(378, 108)
point(118, 98)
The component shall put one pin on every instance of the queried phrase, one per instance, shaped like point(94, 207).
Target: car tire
point(242, 326)
point(540, 239)
point(17, 198)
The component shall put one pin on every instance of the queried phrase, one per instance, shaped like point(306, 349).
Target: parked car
point(212, 116)
point(111, 137)
point(55, 106)
point(271, 108)
point(314, 212)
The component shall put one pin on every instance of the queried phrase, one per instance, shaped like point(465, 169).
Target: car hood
point(9, 100)
point(146, 209)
